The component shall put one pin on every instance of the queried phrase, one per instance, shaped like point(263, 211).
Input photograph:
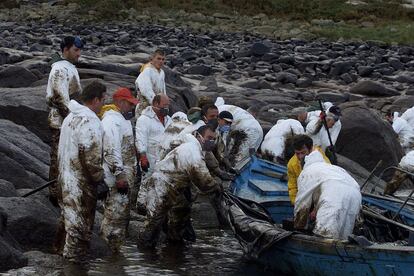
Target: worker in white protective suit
point(171, 137)
point(151, 81)
point(150, 128)
point(404, 131)
point(408, 115)
point(273, 146)
point(208, 115)
point(181, 168)
point(399, 177)
point(63, 85)
point(317, 131)
point(328, 195)
point(120, 165)
point(81, 169)
point(245, 135)
point(304, 115)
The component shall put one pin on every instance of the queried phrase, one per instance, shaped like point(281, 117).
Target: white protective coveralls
point(63, 85)
point(170, 138)
point(80, 169)
point(273, 145)
point(404, 131)
point(149, 132)
point(317, 131)
point(332, 193)
point(399, 178)
point(182, 167)
point(120, 162)
point(408, 115)
point(150, 82)
point(245, 133)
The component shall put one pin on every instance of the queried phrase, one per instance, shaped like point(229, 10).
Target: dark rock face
point(7, 189)
point(24, 157)
point(16, 76)
point(11, 255)
point(31, 224)
point(366, 139)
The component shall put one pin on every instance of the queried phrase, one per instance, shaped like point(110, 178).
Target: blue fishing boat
point(266, 239)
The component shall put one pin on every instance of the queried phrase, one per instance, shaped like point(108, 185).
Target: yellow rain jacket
point(294, 169)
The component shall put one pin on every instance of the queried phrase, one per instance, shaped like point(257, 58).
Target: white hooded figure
point(149, 83)
point(181, 167)
point(408, 115)
point(171, 137)
point(317, 131)
point(149, 132)
point(334, 195)
point(245, 133)
point(404, 131)
point(273, 145)
point(80, 168)
point(120, 162)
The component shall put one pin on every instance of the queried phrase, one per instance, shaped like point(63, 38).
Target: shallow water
point(216, 252)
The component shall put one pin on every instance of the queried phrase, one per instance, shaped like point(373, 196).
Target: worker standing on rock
point(150, 128)
point(317, 131)
point(404, 131)
point(63, 85)
point(80, 169)
point(151, 81)
point(328, 196)
point(274, 143)
point(183, 166)
point(303, 146)
point(120, 165)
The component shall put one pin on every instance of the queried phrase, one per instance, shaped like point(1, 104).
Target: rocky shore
point(243, 68)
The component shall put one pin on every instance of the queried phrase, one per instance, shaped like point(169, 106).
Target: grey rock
point(7, 189)
point(259, 49)
point(32, 224)
point(365, 71)
point(395, 63)
point(200, 69)
point(303, 82)
point(16, 76)
point(341, 67)
point(287, 60)
point(366, 138)
point(285, 77)
point(372, 88)
point(253, 84)
point(24, 157)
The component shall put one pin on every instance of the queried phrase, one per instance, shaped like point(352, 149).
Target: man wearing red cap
point(119, 166)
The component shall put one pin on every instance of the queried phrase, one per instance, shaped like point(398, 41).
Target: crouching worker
point(328, 196)
point(407, 164)
point(80, 169)
point(183, 166)
point(303, 146)
point(120, 165)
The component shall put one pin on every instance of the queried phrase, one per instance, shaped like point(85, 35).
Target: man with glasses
point(151, 81)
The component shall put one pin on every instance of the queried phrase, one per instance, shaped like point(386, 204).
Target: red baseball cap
point(124, 93)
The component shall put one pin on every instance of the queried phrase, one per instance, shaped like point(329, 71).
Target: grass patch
point(399, 32)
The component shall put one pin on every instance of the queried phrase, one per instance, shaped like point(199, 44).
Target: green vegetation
point(388, 20)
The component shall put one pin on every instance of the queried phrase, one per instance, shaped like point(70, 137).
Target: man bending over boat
point(303, 146)
point(328, 195)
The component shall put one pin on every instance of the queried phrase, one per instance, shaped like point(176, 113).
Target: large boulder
point(24, 158)
point(31, 223)
point(366, 138)
point(16, 76)
point(372, 88)
point(10, 253)
point(26, 107)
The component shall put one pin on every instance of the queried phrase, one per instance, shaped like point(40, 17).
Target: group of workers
point(153, 167)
